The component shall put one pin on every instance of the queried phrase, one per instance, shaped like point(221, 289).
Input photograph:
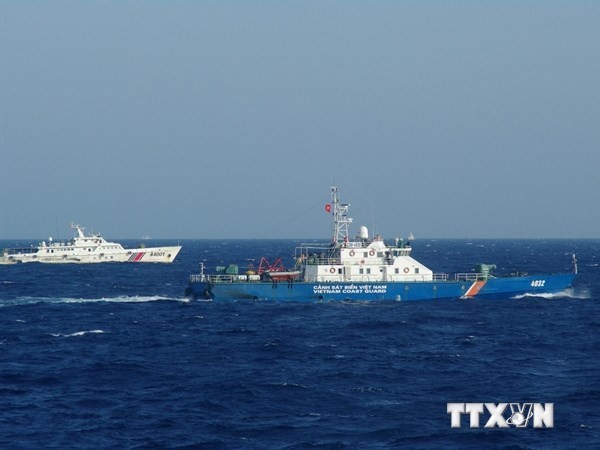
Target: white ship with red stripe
point(86, 249)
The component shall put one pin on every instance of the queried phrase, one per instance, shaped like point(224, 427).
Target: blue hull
point(492, 288)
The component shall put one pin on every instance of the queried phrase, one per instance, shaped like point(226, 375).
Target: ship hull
point(140, 255)
point(492, 288)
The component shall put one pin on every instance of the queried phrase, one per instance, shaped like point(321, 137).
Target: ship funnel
point(363, 232)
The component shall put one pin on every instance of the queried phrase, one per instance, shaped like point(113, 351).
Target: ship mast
point(340, 218)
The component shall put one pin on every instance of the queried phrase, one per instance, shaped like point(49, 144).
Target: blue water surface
point(114, 356)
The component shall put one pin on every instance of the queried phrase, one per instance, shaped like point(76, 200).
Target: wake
point(582, 294)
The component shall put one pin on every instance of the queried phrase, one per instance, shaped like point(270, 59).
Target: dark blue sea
point(114, 356)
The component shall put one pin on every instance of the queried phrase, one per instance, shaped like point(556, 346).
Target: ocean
point(114, 356)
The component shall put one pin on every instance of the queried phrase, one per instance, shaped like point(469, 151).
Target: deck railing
point(441, 277)
point(470, 276)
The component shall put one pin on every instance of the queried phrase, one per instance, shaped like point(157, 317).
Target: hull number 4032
point(538, 283)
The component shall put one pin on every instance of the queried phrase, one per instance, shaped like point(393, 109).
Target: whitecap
point(78, 333)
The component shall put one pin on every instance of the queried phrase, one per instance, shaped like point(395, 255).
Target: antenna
point(340, 218)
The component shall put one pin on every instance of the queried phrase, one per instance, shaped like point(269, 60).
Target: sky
point(232, 119)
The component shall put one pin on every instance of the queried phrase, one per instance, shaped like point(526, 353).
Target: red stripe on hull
point(475, 288)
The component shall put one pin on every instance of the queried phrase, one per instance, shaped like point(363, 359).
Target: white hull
point(138, 255)
point(91, 249)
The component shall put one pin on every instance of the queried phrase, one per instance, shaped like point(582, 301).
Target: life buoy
point(352, 253)
point(332, 270)
point(362, 261)
point(406, 270)
point(372, 252)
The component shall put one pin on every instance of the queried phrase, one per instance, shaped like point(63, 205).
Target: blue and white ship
point(364, 268)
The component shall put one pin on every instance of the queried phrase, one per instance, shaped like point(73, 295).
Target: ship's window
point(416, 270)
point(397, 270)
point(340, 271)
point(365, 254)
point(361, 270)
point(368, 271)
point(380, 254)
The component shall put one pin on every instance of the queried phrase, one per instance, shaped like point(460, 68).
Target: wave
point(126, 299)
point(118, 299)
point(78, 333)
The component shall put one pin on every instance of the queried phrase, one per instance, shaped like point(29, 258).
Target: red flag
point(328, 207)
